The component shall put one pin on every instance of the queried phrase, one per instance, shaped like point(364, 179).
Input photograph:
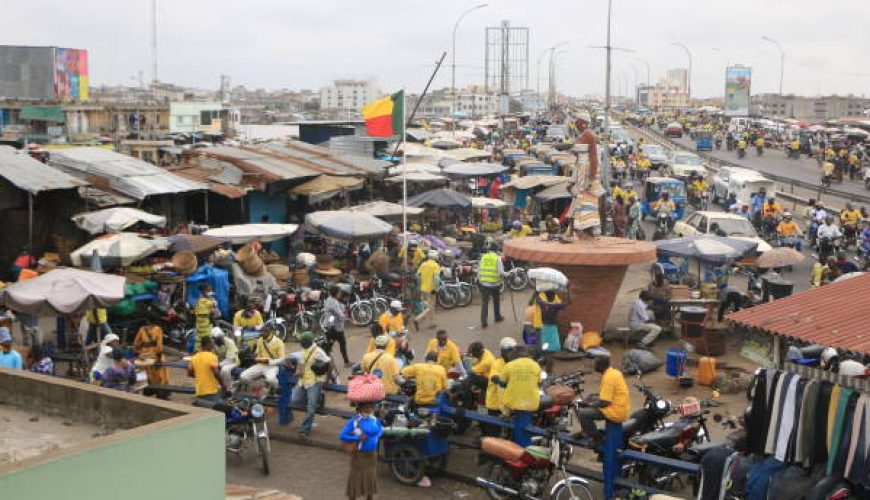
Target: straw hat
point(184, 262)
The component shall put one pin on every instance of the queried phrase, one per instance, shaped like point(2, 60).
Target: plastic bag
point(639, 359)
point(572, 340)
point(548, 274)
point(365, 388)
point(589, 340)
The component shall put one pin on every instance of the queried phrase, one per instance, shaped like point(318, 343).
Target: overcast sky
point(305, 44)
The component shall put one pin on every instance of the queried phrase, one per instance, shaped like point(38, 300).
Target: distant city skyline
point(293, 45)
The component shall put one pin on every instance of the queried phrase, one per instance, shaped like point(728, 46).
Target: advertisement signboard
point(738, 81)
point(71, 74)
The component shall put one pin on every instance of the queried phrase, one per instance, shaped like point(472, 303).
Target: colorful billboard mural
point(738, 81)
point(71, 74)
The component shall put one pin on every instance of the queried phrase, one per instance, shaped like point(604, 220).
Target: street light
point(453, 64)
point(551, 72)
point(689, 82)
point(781, 59)
point(722, 52)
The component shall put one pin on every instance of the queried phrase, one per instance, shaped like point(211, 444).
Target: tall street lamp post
point(453, 61)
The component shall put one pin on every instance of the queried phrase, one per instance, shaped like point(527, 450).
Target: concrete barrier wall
point(161, 450)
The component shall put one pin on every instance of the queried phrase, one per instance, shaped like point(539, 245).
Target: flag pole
point(404, 172)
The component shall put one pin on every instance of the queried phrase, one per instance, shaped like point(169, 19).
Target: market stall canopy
point(385, 209)
point(779, 257)
point(556, 192)
point(118, 249)
point(834, 315)
point(415, 167)
point(242, 233)
point(474, 169)
point(446, 144)
point(194, 243)
point(347, 225)
point(483, 202)
point(63, 291)
point(705, 248)
point(465, 154)
point(31, 175)
point(111, 220)
point(441, 198)
point(535, 181)
point(417, 177)
point(326, 186)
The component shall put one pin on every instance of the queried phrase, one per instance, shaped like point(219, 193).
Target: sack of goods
point(547, 279)
point(501, 448)
point(365, 388)
point(561, 394)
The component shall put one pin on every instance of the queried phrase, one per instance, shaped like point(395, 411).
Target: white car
point(733, 225)
point(742, 182)
point(683, 165)
point(657, 154)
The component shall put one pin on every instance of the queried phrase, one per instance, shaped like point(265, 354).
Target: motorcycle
point(516, 277)
point(663, 226)
point(528, 476)
point(794, 154)
point(245, 422)
point(759, 150)
point(718, 143)
point(741, 152)
point(828, 247)
point(826, 180)
point(332, 376)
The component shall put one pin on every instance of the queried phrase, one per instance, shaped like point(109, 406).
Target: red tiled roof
point(835, 315)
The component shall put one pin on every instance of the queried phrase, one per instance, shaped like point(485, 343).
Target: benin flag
point(384, 116)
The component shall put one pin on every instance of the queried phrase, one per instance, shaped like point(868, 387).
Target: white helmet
point(396, 304)
point(827, 354)
point(507, 343)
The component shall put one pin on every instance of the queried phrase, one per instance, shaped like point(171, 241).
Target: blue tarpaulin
point(220, 284)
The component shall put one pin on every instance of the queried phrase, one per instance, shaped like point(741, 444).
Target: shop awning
point(43, 113)
point(326, 186)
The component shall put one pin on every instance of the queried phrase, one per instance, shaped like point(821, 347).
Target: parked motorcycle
point(516, 276)
point(245, 423)
point(527, 477)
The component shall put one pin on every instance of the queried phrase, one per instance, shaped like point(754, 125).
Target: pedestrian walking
point(361, 433)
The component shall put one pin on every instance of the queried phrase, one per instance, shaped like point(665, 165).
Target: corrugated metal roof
point(122, 173)
point(217, 179)
point(31, 175)
point(834, 315)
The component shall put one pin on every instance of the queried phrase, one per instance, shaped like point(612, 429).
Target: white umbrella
point(242, 233)
point(483, 202)
point(116, 219)
point(385, 209)
point(119, 249)
point(474, 169)
point(63, 291)
point(347, 225)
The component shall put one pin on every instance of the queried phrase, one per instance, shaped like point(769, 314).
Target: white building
point(195, 117)
point(348, 95)
point(677, 78)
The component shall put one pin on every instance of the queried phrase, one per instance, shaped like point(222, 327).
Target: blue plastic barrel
point(676, 362)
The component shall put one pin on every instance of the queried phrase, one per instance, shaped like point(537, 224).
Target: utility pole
point(453, 63)
point(781, 60)
point(154, 41)
point(689, 76)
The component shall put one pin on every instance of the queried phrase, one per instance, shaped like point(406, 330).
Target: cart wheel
point(407, 464)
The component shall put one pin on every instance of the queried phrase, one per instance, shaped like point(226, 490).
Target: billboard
point(27, 73)
point(71, 74)
point(738, 80)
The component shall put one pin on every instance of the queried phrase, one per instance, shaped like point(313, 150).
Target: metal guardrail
point(658, 138)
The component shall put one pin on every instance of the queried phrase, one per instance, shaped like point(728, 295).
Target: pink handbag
point(365, 388)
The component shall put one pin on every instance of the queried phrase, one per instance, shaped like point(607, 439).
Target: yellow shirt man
point(310, 356)
point(392, 322)
point(614, 389)
point(429, 272)
point(271, 349)
point(828, 168)
point(431, 379)
point(788, 229)
point(202, 366)
point(99, 318)
point(524, 230)
point(850, 217)
point(241, 321)
point(416, 258)
point(483, 366)
point(385, 363)
point(700, 186)
point(448, 355)
point(493, 391)
point(389, 349)
point(644, 164)
point(521, 378)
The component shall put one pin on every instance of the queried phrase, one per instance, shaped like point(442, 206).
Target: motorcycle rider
point(490, 271)
point(771, 212)
point(826, 234)
point(612, 404)
point(377, 331)
point(759, 145)
point(203, 367)
point(448, 354)
point(665, 205)
point(269, 353)
point(789, 232)
point(227, 353)
point(756, 203)
point(864, 240)
point(849, 218)
point(494, 391)
point(741, 147)
point(248, 320)
point(383, 364)
point(520, 379)
point(393, 321)
point(430, 377)
point(483, 359)
point(794, 148)
point(698, 186)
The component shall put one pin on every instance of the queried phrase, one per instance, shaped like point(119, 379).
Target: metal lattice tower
point(507, 59)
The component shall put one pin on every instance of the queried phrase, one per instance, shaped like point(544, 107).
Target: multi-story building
point(348, 95)
point(195, 117)
point(671, 92)
point(677, 78)
point(808, 108)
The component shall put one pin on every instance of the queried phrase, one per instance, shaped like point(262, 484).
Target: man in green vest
point(489, 274)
